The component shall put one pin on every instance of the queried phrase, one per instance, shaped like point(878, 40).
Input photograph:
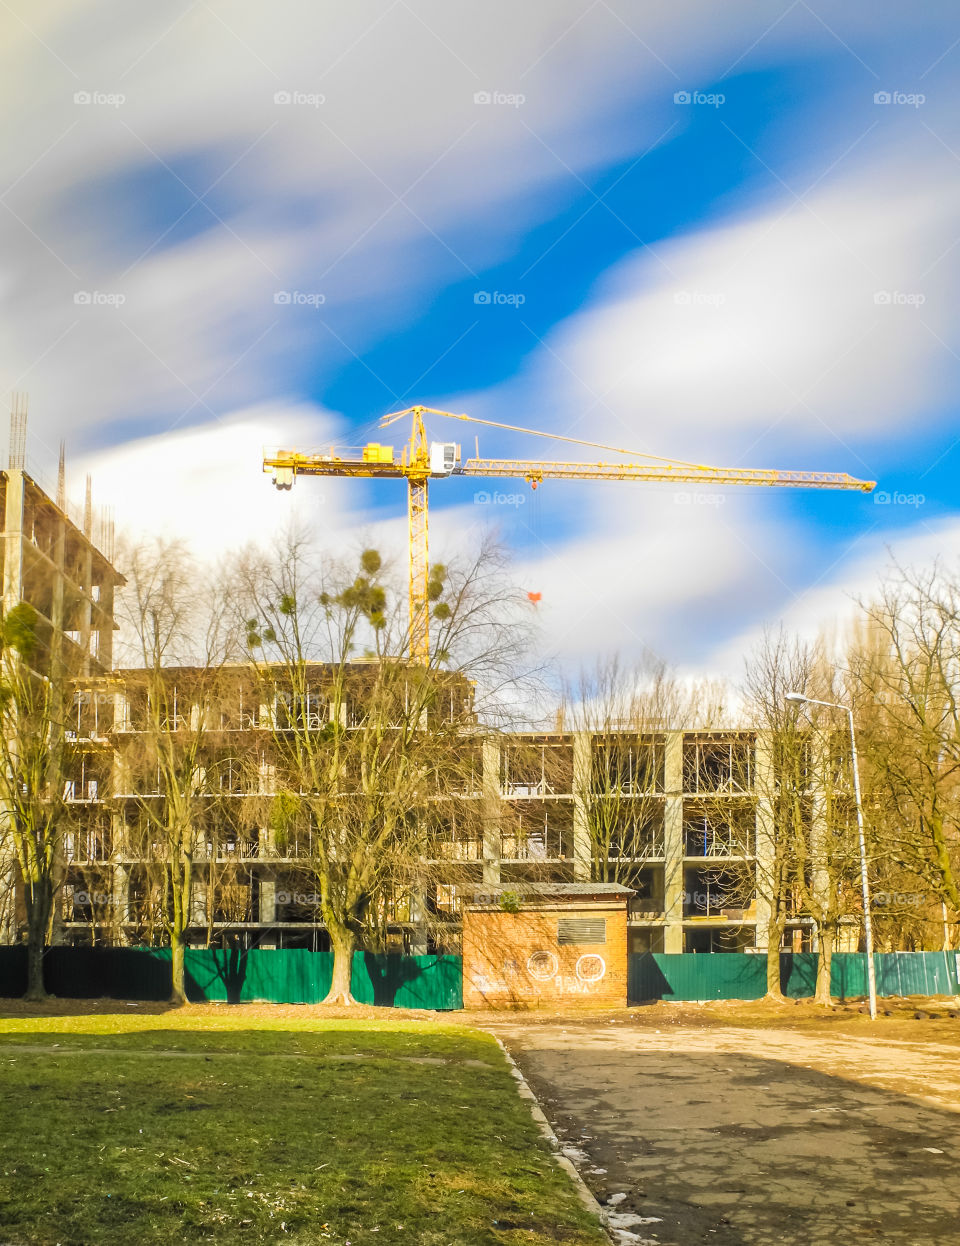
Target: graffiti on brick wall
point(540, 967)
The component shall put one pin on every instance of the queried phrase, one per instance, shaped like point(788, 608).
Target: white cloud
point(650, 569)
point(305, 200)
point(830, 606)
point(206, 485)
point(305, 196)
point(812, 326)
point(773, 306)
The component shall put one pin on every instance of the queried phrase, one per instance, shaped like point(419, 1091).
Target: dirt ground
point(274, 1013)
point(749, 1125)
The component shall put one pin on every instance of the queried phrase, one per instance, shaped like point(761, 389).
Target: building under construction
point(680, 817)
point(684, 836)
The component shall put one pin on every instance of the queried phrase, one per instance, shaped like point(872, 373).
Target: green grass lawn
point(187, 1126)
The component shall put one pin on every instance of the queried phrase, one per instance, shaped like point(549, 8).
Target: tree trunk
point(178, 993)
point(35, 987)
point(181, 878)
point(38, 898)
point(773, 961)
point(822, 994)
point(343, 943)
point(211, 865)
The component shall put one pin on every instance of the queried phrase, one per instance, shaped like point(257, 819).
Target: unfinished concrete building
point(684, 835)
point(59, 562)
point(679, 817)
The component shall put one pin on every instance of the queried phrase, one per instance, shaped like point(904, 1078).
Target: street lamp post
point(799, 698)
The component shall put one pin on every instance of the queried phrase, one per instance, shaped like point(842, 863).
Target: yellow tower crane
point(422, 460)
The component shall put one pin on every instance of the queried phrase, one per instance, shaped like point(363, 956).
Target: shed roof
point(554, 889)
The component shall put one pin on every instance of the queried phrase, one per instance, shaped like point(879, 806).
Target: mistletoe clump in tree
point(369, 772)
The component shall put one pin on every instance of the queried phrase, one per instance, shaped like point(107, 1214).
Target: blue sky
point(726, 236)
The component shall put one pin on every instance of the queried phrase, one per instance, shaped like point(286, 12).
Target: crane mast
point(421, 460)
point(419, 552)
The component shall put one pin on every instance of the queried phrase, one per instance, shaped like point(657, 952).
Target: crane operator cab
point(444, 456)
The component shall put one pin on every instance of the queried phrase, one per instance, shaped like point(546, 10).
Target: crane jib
point(315, 465)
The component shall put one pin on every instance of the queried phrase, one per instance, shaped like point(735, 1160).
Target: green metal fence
point(299, 976)
point(743, 975)
point(282, 976)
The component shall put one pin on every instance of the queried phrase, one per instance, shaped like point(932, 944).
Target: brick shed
point(546, 944)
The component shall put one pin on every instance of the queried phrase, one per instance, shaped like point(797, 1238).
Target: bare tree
point(905, 672)
point(174, 626)
point(778, 665)
point(367, 746)
point(807, 851)
point(620, 713)
point(826, 858)
point(34, 703)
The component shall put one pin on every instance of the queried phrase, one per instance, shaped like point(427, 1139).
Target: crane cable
point(534, 432)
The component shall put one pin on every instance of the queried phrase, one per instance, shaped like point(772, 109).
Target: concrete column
point(268, 900)
point(86, 610)
point(490, 811)
point(266, 778)
point(120, 897)
point(58, 937)
point(765, 832)
point(418, 929)
point(121, 856)
point(266, 836)
point(12, 586)
point(106, 627)
point(121, 776)
point(673, 843)
point(582, 775)
point(13, 540)
point(56, 609)
point(198, 899)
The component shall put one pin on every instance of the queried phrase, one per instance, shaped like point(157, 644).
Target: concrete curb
point(537, 1112)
